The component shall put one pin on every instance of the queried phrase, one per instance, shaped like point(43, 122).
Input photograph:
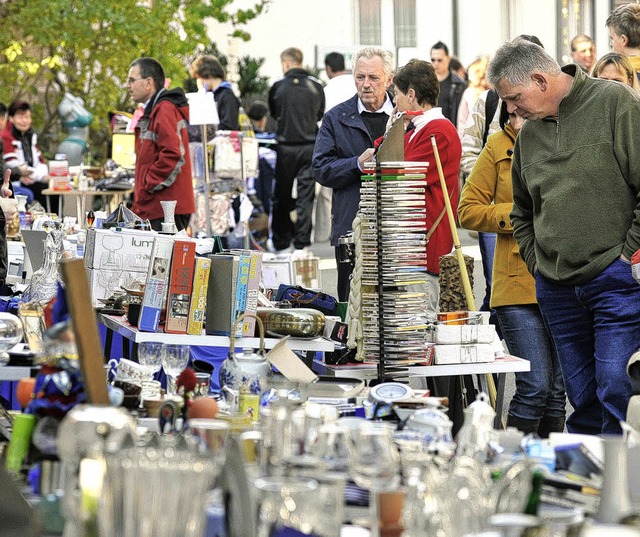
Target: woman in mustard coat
point(538, 405)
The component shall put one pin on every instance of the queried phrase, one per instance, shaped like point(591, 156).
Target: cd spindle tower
point(381, 362)
point(393, 221)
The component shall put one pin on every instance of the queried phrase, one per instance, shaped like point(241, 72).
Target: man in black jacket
point(451, 85)
point(296, 102)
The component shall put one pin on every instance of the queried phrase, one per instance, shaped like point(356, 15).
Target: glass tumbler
point(375, 460)
point(285, 505)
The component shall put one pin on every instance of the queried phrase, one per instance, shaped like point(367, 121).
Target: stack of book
point(393, 209)
point(195, 290)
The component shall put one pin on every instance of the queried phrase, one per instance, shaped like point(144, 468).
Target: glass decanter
point(44, 282)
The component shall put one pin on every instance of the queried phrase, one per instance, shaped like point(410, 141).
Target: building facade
point(409, 28)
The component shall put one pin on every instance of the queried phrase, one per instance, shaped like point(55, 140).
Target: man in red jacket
point(163, 164)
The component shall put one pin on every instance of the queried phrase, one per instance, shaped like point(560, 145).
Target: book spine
point(181, 283)
point(244, 262)
point(198, 304)
point(253, 290)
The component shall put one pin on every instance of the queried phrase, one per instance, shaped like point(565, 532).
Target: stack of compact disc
point(394, 220)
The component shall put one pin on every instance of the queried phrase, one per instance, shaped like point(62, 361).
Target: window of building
point(370, 27)
point(574, 17)
point(404, 16)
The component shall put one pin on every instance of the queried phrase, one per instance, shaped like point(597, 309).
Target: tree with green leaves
point(91, 44)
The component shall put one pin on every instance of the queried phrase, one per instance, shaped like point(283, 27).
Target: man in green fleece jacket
point(576, 219)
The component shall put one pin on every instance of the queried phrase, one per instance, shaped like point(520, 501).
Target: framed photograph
point(32, 317)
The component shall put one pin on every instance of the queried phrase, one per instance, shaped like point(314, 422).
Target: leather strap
point(435, 224)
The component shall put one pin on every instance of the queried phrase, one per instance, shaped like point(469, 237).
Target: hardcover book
point(198, 305)
point(253, 290)
point(221, 294)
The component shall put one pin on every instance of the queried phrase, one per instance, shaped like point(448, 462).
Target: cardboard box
point(242, 286)
point(463, 334)
point(463, 354)
point(306, 272)
point(253, 290)
point(276, 271)
point(125, 249)
point(103, 283)
point(155, 290)
point(221, 294)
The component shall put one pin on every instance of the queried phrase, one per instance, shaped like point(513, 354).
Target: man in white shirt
point(341, 85)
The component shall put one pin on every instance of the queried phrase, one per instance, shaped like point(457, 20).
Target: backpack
point(490, 107)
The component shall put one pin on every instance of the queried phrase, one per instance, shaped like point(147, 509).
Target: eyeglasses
point(435, 60)
point(132, 81)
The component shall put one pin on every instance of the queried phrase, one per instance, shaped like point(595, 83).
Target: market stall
point(276, 440)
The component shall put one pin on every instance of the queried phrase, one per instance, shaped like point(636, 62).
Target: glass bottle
point(533, 501)
point(25, 217)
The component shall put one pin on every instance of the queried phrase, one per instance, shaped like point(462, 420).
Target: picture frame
point(32, 317)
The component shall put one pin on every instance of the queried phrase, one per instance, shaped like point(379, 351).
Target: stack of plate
point(402, 235)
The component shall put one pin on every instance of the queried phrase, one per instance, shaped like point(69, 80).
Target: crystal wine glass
point(150, 355)
point(10, 334)
point(174, 360)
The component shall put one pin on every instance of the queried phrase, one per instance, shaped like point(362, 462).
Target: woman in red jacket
point(417, 90)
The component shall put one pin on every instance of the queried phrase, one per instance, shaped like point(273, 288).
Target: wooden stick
point(464, 275)
point(85, 329)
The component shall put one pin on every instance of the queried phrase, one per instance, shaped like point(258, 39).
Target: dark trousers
point(182, 221)
point(36, 189)
point(293, 162)
point(344, 278)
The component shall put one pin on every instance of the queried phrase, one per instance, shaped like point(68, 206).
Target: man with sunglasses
point(451, 85)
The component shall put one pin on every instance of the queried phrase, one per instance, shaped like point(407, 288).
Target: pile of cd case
point(400, 208)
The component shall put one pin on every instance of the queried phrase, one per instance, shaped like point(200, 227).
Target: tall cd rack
point(393, 240)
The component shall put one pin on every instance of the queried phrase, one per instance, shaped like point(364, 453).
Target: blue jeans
point(596, 328)
point(539, 392)
point(487, 243)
